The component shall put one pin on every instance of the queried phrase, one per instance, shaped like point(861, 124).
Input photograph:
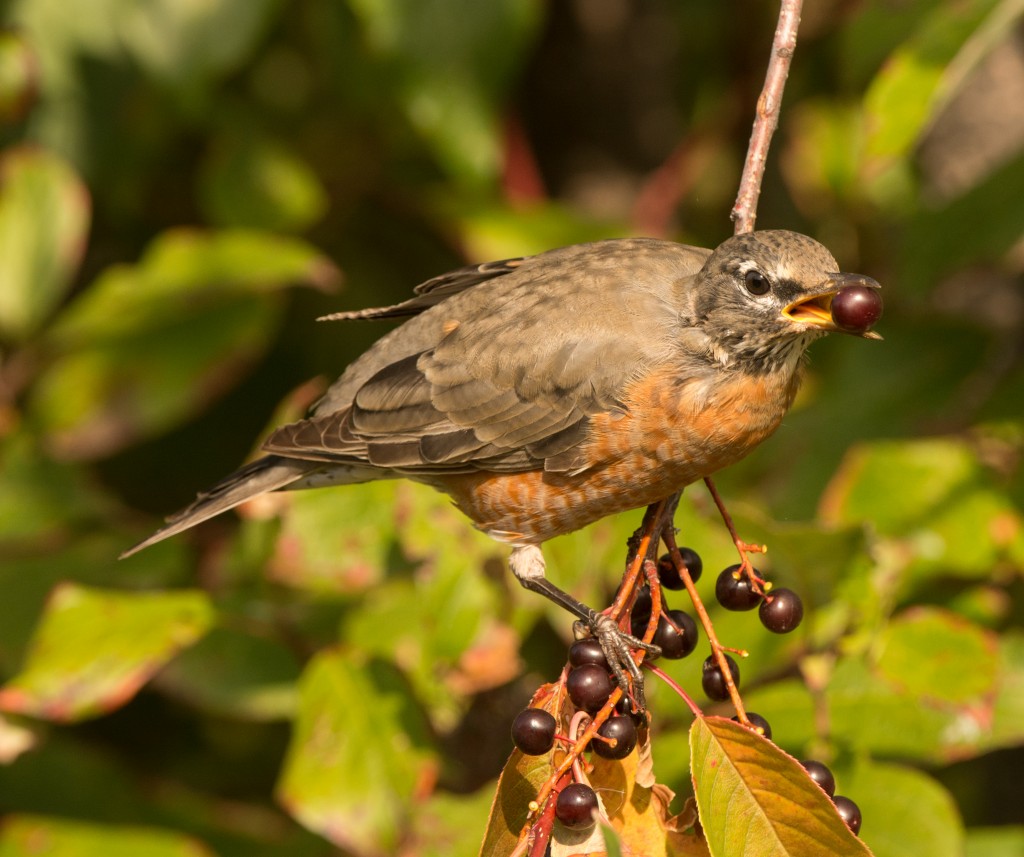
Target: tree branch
point(744, 212)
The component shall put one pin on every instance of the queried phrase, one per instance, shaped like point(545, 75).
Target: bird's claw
point(618, 647)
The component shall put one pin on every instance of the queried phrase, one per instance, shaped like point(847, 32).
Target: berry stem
point(574, 728)
point(743, 548)
point(654, 522)
point(678, 688)
point(717, 649)
point(541, 829)
point(651, 573)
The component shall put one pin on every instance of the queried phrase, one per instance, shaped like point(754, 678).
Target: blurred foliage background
point(185, 186)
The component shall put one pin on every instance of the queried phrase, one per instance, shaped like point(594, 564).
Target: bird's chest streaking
point(671, 434)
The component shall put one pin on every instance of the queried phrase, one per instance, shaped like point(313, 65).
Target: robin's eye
point(756, 282)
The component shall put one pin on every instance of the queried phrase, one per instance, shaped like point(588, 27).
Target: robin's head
point(763, 297)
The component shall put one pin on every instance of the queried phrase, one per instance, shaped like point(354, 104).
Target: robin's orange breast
point(673, 433)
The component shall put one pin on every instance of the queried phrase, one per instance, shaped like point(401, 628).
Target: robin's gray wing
point(433, 291)
point(506, 375)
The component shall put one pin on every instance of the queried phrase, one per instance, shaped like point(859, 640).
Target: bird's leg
point(527, 564)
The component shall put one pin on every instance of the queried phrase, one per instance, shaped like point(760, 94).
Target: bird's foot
point(527, 564)
point(618, 648)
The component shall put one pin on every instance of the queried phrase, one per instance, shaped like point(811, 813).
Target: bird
point(544, 392)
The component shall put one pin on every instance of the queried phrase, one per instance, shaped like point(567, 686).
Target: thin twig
point(717, 649)
point(678, 688)
point(744, 212)
point(742, 548)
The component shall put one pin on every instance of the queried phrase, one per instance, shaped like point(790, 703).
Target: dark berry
point(713, 681)
point(533, 731)
point(856, 308)
point(624, 707)
point(820, 773)
point(848, 812)
point(623, 730)
point(587, 651)
point(734, 590)
point(575, 805)
point(781, 611)
point(694, 564)
point(589, 687)
point(759, 723)
point(676, 643)
point(640, 615)
point(669, 575)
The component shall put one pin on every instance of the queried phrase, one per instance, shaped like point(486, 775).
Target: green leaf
point(995, 841)
point(19, 76)
point(491, 231)
point(30, 571)
point(41, 500)
point(611, 841)
point(925, 729)
point(1008, 708)
point(185, 43)
point(904, 811)
point(436, 600)
point(336, 540)
point(102, 398)
point(235, 674)
point(27, 835)
point(870, 36)
point(451, 84)
point(821, 158)
point(250, 181)
point(44, 218)
point(359, 750)
point(969, 535)
point(449, 824)
point(184, 273)
point(934, 654)
point(520, 780)
point(123, 370)
point(936, 243)
point(918, 78)
point(933, 497)
point(895, 484)
point(94, 649)
point(755, 801)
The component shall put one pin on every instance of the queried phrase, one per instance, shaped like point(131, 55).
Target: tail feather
point(265, 474)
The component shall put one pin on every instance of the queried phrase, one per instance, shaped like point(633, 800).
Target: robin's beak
point(816, 310)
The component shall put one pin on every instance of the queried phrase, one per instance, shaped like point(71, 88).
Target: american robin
point(546, 392)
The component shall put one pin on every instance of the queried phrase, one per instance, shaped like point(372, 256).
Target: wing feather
point(503, 364)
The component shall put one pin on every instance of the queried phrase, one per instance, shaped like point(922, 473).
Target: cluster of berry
point(780, 611)
point(589, 685)
point(589, 682)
